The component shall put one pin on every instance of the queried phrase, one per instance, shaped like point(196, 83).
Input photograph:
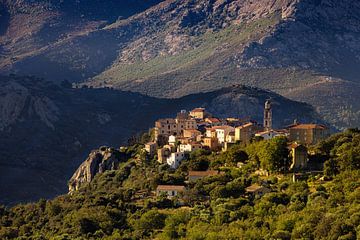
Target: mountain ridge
point(175, 48)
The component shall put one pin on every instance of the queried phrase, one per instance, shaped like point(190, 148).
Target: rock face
point(98, 161)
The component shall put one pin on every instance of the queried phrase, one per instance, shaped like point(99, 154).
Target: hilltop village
point(175, 138)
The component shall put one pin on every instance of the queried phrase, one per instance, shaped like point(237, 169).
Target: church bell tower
point(268, 116)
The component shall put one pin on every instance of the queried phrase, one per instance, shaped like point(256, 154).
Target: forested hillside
point(119, 204)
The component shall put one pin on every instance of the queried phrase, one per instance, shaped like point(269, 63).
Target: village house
point(245, 133)
point(198, 113)
point(195, 175)
point(150, 148)
point(213, 121)
point(169, 190)
point(191, 133)
point(190, 147)
point(256, 190)
point(308, 134)
point(219, 132)
point(235, 122)
point(169, 126)
point(175, 159)
point(163, 153)
point(212, 143)
point(270, 134)
point(183, 114)
point(230, 138)
point(172, 140)
point(185, 140)
point(299, 156)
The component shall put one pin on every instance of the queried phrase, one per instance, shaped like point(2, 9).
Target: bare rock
point(98, 161)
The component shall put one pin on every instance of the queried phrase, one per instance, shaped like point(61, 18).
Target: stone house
point(308, 134)
point(211, 143)
point(150, 148)
point(191, 133)
point(169, 126)
point(169, 190)
point(245, 133)
point(163, 153)
point(198, 113)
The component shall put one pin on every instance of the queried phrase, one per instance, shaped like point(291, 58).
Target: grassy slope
point(210, 65)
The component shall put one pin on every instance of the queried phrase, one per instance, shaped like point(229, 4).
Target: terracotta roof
point(246, 125)
point(269, 131)
point(219, 127)
point(203, 173)
point(198, 110)
point(309, 126)
point(170, 188)
point(213, 120)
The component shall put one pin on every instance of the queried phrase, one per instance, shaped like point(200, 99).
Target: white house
point(172, 140)
point(190, 147)
point(222, 132)
point(270, 134)
point(175, 159)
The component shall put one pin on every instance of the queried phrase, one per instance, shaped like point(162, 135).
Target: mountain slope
point(29, 28)
point(47, 130)
point(175, 48)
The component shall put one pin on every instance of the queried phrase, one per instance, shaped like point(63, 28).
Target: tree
point(150, 221)
point(273, 154)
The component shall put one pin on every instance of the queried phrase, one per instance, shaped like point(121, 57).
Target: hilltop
point(175, 48)
point(48, 129)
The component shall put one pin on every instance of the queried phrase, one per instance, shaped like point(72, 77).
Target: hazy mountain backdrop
point(173, 48)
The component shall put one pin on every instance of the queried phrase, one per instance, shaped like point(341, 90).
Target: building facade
point(175, 159)
point(150, 148)
point(308, 134)
point(198, 113)
point(245, 133)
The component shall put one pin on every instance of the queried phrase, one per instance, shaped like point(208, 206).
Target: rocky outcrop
point(98, 161)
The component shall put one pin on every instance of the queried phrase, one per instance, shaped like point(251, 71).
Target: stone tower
point(268, 116)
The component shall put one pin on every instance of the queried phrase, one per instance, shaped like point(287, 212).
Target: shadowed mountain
point(48, 130)
point(175, 48)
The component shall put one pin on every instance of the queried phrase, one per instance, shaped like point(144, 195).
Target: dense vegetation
point(120, 205)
